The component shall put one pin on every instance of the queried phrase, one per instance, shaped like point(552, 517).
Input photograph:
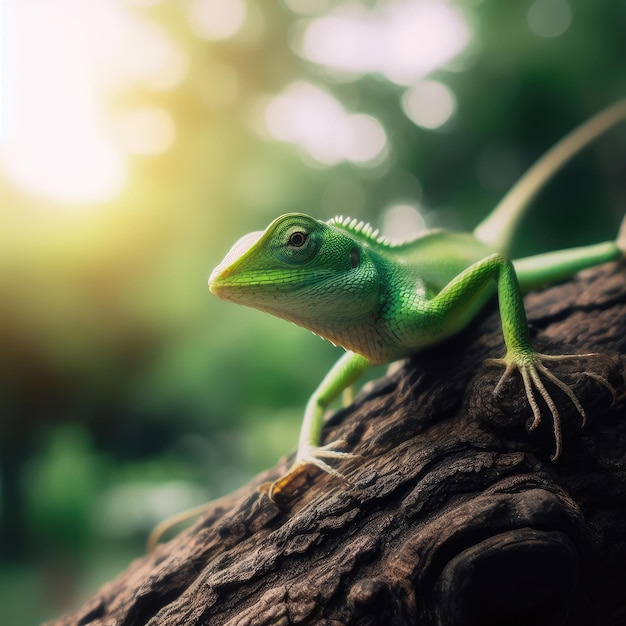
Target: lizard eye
point(355, 258)
point(297, 239)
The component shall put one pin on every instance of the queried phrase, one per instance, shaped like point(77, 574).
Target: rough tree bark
point(454, 515)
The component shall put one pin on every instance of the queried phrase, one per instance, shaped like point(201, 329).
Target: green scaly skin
point(383, 302)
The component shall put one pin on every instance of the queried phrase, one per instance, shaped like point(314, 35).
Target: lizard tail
point(498, 228)
point(621, 238)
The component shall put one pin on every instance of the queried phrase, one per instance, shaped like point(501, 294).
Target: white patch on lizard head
point(240, 247)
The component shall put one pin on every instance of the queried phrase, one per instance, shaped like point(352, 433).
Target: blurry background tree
point(140, 138)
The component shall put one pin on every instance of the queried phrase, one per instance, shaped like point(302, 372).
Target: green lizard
point(383, 301)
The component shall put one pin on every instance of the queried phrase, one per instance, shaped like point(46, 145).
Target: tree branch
point(453, 515)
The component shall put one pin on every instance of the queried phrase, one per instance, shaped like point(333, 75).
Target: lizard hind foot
point(311, 456)
point(532, 368)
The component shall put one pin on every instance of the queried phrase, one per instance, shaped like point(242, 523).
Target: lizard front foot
point(307, 456)
point(531, 366)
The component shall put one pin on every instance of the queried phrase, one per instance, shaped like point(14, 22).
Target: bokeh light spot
point(217, 19)
point(367, 139)
point(402, 221)
point(549, 18)
point(403, 39)
point(312, 118)
point(429, 104)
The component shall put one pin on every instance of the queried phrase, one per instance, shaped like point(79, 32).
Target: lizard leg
point(532, 367)
point(520, 355)
point(343, 374)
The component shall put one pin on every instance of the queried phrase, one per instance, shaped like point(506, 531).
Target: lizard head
point(300, 269)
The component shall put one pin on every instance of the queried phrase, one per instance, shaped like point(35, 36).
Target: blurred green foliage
point(128, 392)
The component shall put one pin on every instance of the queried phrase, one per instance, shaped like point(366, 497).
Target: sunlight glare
point(2, 71)
point(217, 19)
point(148, 131)
point(60, 170)
point(144, 3)
point(404, 39)
point(155, 60)
point(64, 62)
point(312, 118)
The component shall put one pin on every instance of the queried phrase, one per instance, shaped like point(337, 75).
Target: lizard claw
point(532, 368)
point(312, 455)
